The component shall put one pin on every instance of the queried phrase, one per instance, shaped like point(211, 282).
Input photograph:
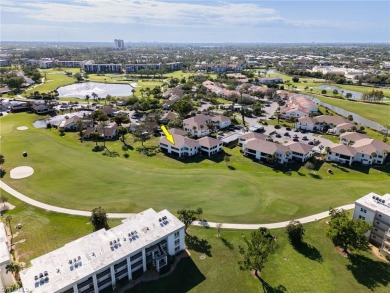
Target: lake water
point(80, 90)
point(356, 118)
point(56, 120)
point(330, 88)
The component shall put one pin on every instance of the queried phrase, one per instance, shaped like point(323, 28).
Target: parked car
point(277, 126)
point(296, 139)
point(287, 134)
point(311, 143)
point(304, 138)
point(296, 130)
point(288, 128)
point(295, 136)
point(278, 135)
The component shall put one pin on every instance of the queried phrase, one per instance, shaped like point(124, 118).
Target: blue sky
point(282, 21)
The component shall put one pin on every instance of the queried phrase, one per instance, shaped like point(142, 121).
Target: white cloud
point(150, 12)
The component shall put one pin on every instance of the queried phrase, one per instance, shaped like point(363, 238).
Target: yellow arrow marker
point(167, 134)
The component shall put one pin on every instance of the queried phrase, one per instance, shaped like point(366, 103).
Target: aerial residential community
point(185, 146)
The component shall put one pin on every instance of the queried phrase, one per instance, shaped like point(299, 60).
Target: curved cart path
point(42, 205)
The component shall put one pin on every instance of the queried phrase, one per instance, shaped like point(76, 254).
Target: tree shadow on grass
point(368, 272)
point(184, 278)
point(227, 243)
point(267, 288)
point(315, 176)
point(198, 245)
point(309, 251)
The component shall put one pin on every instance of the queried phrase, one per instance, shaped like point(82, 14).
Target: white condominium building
point(100, 259)
point(375, 210)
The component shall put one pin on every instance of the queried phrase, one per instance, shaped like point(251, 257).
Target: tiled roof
point(209, 142)
point(299, 147)
point(343, 150)
point(266, 147)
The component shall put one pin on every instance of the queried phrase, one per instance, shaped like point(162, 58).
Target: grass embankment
point(316, 268)
point(251, 193)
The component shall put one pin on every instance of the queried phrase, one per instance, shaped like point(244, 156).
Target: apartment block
point(375, 210)
point(99, 260)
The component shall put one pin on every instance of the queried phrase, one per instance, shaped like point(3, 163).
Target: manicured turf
point(316, 268)
point(54, 80)
point(44, 231)
point(69, 174)
point(376, 112)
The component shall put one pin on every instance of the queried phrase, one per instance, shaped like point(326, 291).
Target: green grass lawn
point(316, 268)
point(376, 112)
point(43, 231)
point(54, 80)
point(250, 193)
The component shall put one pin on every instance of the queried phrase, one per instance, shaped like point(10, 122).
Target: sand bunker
point(22, 128)
point(21, 172)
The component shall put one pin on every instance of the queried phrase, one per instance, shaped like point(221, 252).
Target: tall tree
point(141, 134)
point(348, 233)
point(187, 217)
point(295, 232)
point(260, 245)
point(99, 219)
point(15, 268)
point(122, 132)
point(8, 220)
point(183, 107)
point(199, 212)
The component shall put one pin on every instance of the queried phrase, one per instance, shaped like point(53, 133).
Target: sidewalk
point(44, 206)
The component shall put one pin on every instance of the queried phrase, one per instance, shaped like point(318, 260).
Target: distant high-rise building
point(119, 44)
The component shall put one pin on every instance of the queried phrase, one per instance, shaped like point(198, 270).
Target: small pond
point(56, 120)
point(355, 95)
point(80, 90)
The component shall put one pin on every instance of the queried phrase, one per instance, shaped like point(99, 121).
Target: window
point(177, 242)
point(377, 222)
point(177, 234)
point(361, 209)
point(177, 248)
point(365, 211)
point(380, 216)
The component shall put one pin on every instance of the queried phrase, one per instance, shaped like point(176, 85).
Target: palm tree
point(8, 220)
point(227, 160)
point(87, 97)
point(15, 268)
point(94, 96)
point(201, 127)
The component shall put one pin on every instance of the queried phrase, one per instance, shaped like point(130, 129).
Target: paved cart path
point(42, 205)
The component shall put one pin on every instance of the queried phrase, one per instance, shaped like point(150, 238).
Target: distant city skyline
point(278, 21)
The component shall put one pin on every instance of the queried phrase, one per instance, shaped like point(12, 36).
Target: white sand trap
point(22, 128)
point(21, 172)
point(134, 84)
